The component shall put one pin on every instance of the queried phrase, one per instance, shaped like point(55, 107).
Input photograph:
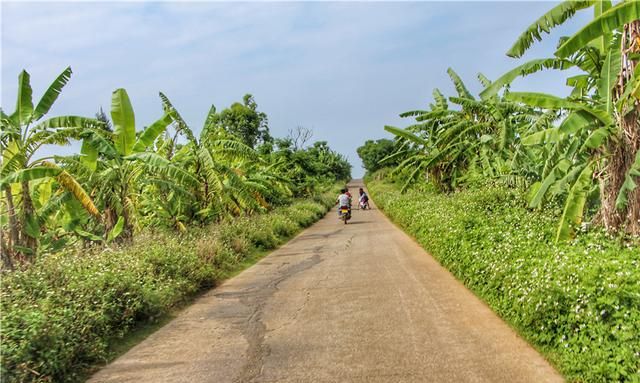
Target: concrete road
point(339, 303)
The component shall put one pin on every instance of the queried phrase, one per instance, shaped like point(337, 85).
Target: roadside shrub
point(578, 302)
point(234, 236)
point(208, 249)
point(282, 225)
point(261, 235)
point(307, 213)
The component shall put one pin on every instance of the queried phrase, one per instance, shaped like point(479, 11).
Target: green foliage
point(373, 152)
point(554, 17)
point(306, 168)
point(606, 23)
point(123, 121)
point(525, 69)
point(60, 314)
point(243, 121)
point(22, 134)
point(481, 139)
point(577, 302)
point(575, 149)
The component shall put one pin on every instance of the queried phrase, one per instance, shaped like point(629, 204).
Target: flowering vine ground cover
point(577, 302)
point(59, 315)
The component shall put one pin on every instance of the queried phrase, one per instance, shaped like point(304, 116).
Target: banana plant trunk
point(623, 149)
point(7, 246)
point(27, 240)
point(127, 232)
point(13, 222)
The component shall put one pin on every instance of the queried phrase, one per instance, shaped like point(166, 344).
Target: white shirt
point(343, 200)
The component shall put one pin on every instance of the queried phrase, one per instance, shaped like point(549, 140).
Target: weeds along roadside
point(60, 315)
point(577, 302)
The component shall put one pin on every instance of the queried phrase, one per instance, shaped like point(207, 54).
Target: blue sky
point(342, 69)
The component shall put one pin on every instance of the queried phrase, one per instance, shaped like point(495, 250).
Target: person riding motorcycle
point(364, 199)
point(344, 200)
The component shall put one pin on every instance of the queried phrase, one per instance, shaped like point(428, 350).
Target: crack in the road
point(256, 297)
point(254, 329)
point(307, 298)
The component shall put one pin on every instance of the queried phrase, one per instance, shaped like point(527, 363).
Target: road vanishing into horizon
point(361, 302)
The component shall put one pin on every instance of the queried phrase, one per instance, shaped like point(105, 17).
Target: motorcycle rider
point(344, 200)
point(364, 198)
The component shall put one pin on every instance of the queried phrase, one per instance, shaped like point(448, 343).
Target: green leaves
point(596, 138)
point(24, 104)
point(515, 135)
point(441, 101)
point(66, 122)
point(459, 84)
point(137, 182)
point(539, 189)
point(544, 136)
point(124, 122)
point(547, 101)
point(574, 206)
point(51, 94)
point(94, 141)
point(180, 125)
point(629, 184)
point(556, 16)
point(89, 155)
point(116, 230)
point(163, 166)
point(541, 100)
point(608, 76)
point(523, 70)
point(577, 121)
point(405, 134)
point(608, 22)
point(149, 135)
point(29, 174)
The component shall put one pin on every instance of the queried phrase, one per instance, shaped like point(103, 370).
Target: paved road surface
point(355, 303)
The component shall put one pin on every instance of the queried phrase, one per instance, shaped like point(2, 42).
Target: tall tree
point(373, 152)
point(23, 133)
point(244, 121)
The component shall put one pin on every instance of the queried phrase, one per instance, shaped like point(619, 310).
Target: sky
point(342, 69)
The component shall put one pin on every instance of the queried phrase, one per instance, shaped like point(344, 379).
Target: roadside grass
point(577, 302)
point(73, 311)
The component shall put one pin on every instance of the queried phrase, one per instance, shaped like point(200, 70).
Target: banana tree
point(601, 132)
point(225, 168)
point(127, 161)
point(23, 133)
point(478, 138)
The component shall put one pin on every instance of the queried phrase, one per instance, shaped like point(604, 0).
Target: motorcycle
point(364, 205)
point(345, 214)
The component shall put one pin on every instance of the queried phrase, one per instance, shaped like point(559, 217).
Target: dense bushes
point(578, 302)
point(59, 315)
